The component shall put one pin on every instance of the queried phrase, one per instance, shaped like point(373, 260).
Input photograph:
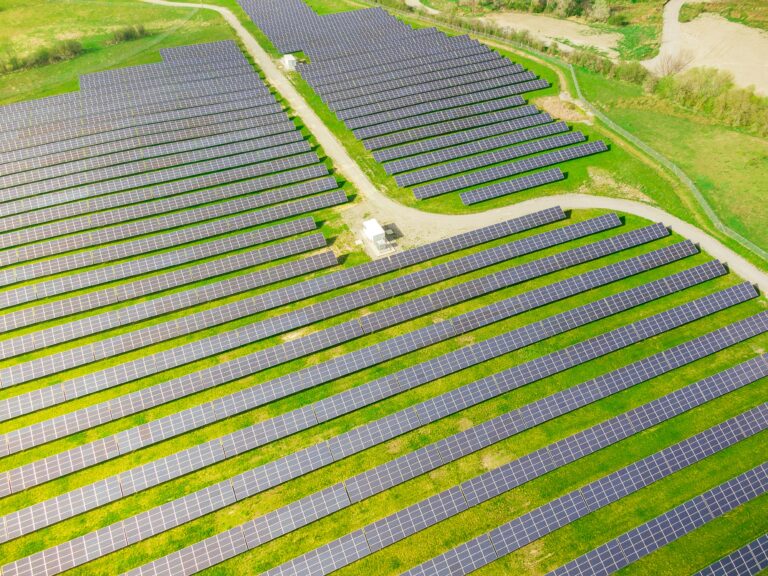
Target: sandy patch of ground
point(562, 109)
point(552, 29)
point(417, 4)
point(711, 40)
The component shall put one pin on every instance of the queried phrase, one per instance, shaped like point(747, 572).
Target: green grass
point(27, 25)
point(752, 13)
point(726, 164)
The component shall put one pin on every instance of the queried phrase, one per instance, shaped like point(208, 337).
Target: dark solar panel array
point(453, 501)
point(325, 502)
point(345, 402)
point(681, 520)
point(205, 503)
point(530, 527)
point(99, 413)
point(746, 561)
point(167, 188)
point(400, 89)
point(46, 431)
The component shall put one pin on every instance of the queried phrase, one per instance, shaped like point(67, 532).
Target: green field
point(726, 164)
point(26, 25)
point(621, 172)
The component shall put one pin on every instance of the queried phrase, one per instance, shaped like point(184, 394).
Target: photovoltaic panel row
point(423, 132)
point(669, 526)
point(511, 186)
point(43, 470)
point(429, 417)
point(149, 244)
point(355, 121)
point(104, 128)
point(196, 219)
point(511, 169)
point(136, 142)
point(746, 561)
point(128, 269)
point(113, 208)
point(489, 158)
point(477, 146)
point(245, 131)
point(253, 160)
point(233, 196)
point(174, 98)
point(261, 330)
point(437, 116)
point(457, 138)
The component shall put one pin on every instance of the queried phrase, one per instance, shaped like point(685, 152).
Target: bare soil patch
point(556, 30)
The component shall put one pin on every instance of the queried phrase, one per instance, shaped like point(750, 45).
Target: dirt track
point(419, 227)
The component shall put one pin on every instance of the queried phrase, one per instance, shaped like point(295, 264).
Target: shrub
point(128, 33)
point(60, 52)
point(709, 91)
point(600, 11)
point(633, 72)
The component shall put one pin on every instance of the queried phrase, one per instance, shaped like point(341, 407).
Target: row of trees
point(597, 10)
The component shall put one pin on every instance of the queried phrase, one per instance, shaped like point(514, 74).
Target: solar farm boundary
point(325, 416)
point(291, 517)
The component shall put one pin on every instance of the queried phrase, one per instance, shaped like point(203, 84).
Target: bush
point(600, 11)
point(60, 52)
point(128, 33)
point(633, 72)
point(618, 19)
point(709, 91)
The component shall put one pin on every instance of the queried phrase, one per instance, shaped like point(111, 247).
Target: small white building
point(376, 235)
point(289, 62)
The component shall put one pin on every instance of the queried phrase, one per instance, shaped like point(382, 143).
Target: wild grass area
point(30, 27)
point(727, 164)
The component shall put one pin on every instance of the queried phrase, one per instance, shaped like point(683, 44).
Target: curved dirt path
point(671, 35)
point(417, 226)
